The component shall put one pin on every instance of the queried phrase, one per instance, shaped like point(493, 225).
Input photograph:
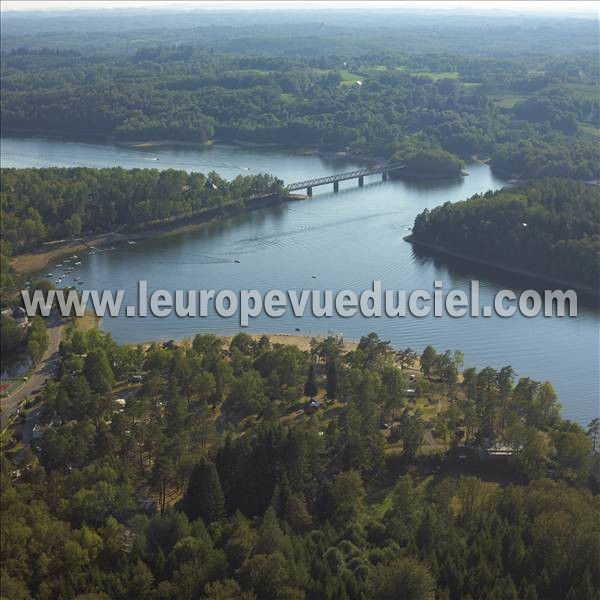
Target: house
point(37, 432)
point(497, 451)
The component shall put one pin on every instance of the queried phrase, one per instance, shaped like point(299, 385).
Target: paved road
point(46, 368)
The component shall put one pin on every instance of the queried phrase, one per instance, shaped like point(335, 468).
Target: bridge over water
point(359, 174)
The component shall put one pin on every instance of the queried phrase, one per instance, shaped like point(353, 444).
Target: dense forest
point(40, 205)
point(198, 471)
point(243, 469)
point(550, 227)
point(508, 34)
point(533, 116)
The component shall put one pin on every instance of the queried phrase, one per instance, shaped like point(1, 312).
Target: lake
point(333, 241)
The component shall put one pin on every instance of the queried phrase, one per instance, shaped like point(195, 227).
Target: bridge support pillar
point(309, 191)
point(384, 176)
point(361, 181)
point(336, 186)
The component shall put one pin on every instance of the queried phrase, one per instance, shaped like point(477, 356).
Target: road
point(46, 368)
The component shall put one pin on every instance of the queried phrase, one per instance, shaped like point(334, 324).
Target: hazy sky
point(549, 6)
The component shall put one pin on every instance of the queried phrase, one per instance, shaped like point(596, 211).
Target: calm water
point(346, 240)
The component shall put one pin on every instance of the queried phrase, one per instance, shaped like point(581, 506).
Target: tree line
point(40, 205)
point(550, 227)
point(375, 104)
point(209, 478)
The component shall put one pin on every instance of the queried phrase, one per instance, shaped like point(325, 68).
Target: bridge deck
point(300, 185)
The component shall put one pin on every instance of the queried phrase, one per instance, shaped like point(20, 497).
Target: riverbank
point(297, 148)
point(442, 250)
point(403, 174)
point(38, 260)
point(302, 342)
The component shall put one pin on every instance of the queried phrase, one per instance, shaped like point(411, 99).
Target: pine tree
point(204, 495)
point(332, 380)
point(98, 372)
point(428, 360)
point(311, 388)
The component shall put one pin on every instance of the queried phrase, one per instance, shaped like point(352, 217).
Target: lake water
point(346, 240)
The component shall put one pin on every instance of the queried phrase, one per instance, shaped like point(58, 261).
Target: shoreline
point(39, 258)
point(109, 139)
point(31, 262)
point(442, 250)
point(289, 147)
point(300, 341)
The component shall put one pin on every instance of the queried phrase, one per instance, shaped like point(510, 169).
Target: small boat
point(49, 274)
point(297, 329)
point(131, 243)
point(80, 283)
point(74, 256)
point(58, 265)
point(236, 261)
point(77, 263)
point(77, 278)
point(314, 276)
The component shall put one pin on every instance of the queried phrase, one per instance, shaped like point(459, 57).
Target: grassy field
point(349, 78)
point(436, 76)
point(590, 130)
point(588, 90)
point(507, 100)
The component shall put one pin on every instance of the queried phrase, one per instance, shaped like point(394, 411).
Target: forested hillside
point(39, 205)
point(211, 479)
point(550, 227)
point(534, 116)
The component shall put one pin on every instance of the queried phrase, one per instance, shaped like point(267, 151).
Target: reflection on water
point(345, 240)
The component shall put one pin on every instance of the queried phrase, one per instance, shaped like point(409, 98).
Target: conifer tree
point(332, 380)
point(204, 495)
point(311, 388)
